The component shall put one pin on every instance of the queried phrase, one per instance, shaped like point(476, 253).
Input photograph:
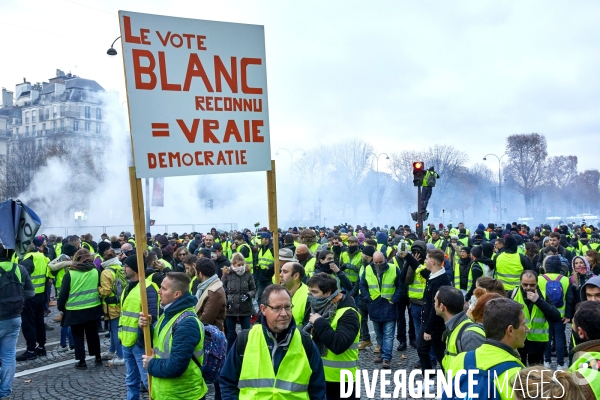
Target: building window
point(87, 126)
point(75, 126)
point(54, 111)
point(54, 129)
point(44, 128)
point(27, 117)
point(26, 131)
point(16, 131)
point(33, 116)
point(87, 111)
point(98, 113)
point(98, 128)
point(47, 113)
point(33, 131)
point(62, 125)
point(83, 95)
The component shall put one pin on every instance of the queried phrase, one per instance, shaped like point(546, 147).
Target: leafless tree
point(527, 164)
point(348, 166)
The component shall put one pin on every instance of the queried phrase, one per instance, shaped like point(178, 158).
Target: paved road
point(58, 379)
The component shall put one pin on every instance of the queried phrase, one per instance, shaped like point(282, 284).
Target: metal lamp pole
point(377, 166)
point(499, 182)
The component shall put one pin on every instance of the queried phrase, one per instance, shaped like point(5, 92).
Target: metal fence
point(96, 231)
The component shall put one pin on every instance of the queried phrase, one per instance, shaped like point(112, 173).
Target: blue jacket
point(185, 339)
point(230, 373)
point(380, 309)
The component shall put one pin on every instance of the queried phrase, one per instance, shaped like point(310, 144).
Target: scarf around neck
point(204, 285)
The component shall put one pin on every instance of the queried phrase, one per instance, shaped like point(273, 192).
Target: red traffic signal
point(418, 173)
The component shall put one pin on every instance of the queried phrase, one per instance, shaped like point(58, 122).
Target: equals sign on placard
point(160, 129)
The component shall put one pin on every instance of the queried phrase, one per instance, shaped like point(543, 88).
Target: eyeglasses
point(277, 310)
point(529, 285)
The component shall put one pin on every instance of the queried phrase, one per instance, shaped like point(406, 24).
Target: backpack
point(215, 349)
point(554, 291)
point(483, 380)
point(11, 293)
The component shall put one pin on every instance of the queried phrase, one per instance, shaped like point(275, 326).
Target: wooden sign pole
point(272, 202)
point(139, 226)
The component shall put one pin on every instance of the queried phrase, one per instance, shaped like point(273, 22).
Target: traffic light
point(418, 173)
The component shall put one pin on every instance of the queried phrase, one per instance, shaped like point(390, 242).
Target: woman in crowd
point(180, 255)
point(240, 289)
point(81, 307)
point(593, 259)
point(112, 283)
point(532, 252)
point(582, 273)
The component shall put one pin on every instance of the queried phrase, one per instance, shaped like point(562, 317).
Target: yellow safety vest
point(257, 378)
point(452, 340)
point(265, 259)
point(309, 268)
point(58, 249)
point(488, 356)
point(83, 292)
point(416, 289)
point(457, 277)
point(299, 301)
point(356, 260)
point(539, 329)
point(131, 306)
point(190, 385)
point(589, 372)
point(508, 270)
point(334, 363)
point(40, 271)
point(388, 249)
point(86, 245)
point(387, 287)
point(313, 248)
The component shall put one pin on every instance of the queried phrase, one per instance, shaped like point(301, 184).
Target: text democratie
point(417, 385)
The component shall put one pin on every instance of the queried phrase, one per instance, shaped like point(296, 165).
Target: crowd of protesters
point(528, 297)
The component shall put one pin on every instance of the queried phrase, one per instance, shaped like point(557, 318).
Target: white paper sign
point(197, 94)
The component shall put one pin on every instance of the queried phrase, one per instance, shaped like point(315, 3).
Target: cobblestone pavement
point(103, 382)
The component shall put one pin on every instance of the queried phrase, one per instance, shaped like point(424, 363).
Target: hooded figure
point(593, 281)
point(382, 240)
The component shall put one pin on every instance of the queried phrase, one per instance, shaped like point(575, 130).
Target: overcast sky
point(399, 74)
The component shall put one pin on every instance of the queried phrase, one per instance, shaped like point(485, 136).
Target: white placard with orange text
point(197, 94)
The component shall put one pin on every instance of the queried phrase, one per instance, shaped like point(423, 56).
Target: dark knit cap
point(131, 262)
point(102, 247)
point(369, 251)
point(477, 251)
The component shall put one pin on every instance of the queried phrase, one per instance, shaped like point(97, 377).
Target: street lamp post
point(377, 164)
point(499, 182)
point(291, 153)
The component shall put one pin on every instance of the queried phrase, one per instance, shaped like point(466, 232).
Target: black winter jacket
point(433, 324)
point(235, 287)
point(340, 339)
